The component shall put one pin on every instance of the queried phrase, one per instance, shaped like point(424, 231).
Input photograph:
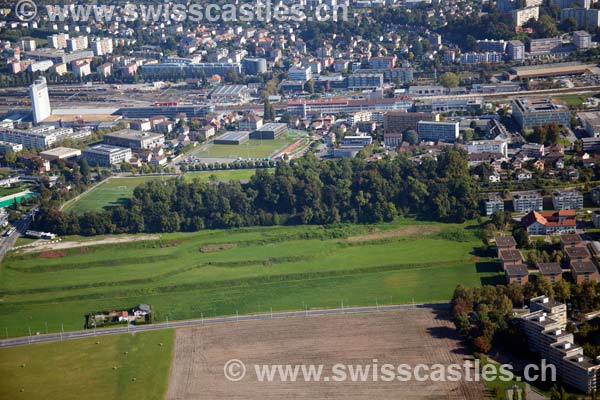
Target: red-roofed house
point(550, 222)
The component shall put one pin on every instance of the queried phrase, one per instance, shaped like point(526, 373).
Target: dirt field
point(404, 337)
point(71, 245)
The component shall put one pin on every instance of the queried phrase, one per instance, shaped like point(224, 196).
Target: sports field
point(110, 193)
point(109, 367)
point(116, 191)
point(210, 273)
point(250, 149)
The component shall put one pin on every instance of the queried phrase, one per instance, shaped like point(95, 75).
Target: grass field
point(116, 191)
point(210, 273)
point(84, 368)
point(573, 100)
point(250, 149)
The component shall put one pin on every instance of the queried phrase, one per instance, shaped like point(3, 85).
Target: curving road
point(54, 337)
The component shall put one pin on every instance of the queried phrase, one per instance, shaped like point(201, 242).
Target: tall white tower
point(40, 102)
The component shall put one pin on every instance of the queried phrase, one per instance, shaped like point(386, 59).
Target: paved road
point(8, 242)
point(54, 337)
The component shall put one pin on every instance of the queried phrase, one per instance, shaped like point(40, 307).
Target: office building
point(590, 122)
point(515, 50)
point(365, 81)
point(527, 201)
point(40, 102)
point(545, 45)
point(582, 40)
point(254, 66)
point(135, 140)
point(530, 112)
point(106, 155)
point(434, 131)
point(300, 74)
point(401, 121)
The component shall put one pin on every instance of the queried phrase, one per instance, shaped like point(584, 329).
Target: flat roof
point(105, 148)
point(61, 152)
point(271, 126)
point(134, 135)
point(238, 135)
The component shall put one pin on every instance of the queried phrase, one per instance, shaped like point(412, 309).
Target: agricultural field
point(413, 336)
point(246, 270)
point(108, 367)
point(250, 149)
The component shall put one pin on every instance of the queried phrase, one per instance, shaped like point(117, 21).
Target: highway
point(54, 337)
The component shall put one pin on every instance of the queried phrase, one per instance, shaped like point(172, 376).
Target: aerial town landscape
point(321, 199)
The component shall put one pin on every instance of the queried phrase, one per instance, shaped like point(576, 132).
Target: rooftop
point(582, 266)
point(511, 255)
point(516, 270)
point(552, 268)
point(505, 241)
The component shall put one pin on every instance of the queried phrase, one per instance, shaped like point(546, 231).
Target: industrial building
point(590, 122)
point(230, 94)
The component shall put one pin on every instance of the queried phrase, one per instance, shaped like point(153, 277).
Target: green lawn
point(250, 149)
point(573, 100)
point(109, 367)
point(110, 193)
point(210, 273)
point(21, 241)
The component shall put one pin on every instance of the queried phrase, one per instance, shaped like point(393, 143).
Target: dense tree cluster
point(302, 192)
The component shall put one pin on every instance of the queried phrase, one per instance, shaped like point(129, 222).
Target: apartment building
point(527, 201)
point(545, 329)
point(493, 204)
point(488, 146)
point(567, 200)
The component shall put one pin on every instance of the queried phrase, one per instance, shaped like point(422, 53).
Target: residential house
point(584, 271)
point(551, 271)
point(517, 274)
point(505, 243)
point(510, 257)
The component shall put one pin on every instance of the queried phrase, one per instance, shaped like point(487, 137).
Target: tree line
point(303, 191)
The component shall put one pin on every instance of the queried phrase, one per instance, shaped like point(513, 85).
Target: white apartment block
point(488, 146)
